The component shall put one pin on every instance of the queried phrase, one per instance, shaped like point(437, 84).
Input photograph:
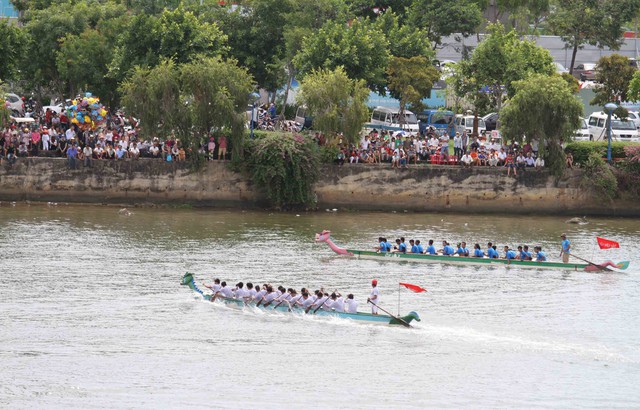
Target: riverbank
point(423, 188)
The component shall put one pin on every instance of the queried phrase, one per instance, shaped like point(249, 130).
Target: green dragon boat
point(325, 236)
point(189, 281)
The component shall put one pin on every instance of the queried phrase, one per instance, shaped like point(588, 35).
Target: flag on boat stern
point(607, 243)
point(414, 288)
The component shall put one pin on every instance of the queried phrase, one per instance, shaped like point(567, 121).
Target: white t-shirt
point(466, 158)
point(307, 302)
point(271, 296)
point(338, 305)
point(351, 306)
point(70, 134)
point(295, 299)
point(260, 294)
point(375, 295)
point(226, 292)
point(240, 293)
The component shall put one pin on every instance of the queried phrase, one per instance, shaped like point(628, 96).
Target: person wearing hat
point(374, 297)
point(566, 248)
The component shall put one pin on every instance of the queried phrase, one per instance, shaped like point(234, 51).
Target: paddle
point(318, 308)
point(390, 314)
point(591, 263)
point(283, 300)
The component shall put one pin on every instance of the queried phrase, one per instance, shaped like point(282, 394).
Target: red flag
point(607, 243)
point(414, 288)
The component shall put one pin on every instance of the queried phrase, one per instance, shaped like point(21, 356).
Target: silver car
point(635, 117)
point(16, 105)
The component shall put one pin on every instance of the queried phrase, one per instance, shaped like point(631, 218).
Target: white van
point(389, 119)
point(465, 123)
point(620, 130)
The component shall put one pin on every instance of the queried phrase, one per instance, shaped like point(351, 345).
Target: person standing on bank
point(374, 297)
point(566, 248)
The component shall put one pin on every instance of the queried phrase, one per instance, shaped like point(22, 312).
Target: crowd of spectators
point(51, 135)
point(402, 149)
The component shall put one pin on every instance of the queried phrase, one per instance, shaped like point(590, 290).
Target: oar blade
point(622, 265)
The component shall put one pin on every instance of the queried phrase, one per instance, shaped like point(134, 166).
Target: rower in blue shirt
point(420, 248)
point(566, 248)
point(414, 247)
point(540, 256)
point(509, 253)
point(387, 245)
point(491, 252)
point(477, 252)
point(525, 255)
point(447, 249)
point(382, 247)
point(401, 247)
point(462, 249)
point(431, 250)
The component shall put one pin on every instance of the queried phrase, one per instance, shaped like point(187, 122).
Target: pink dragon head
point(323, 236)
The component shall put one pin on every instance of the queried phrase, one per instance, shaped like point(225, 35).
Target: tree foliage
point(189, 99)
point(286, 167)
point(595, 22)
point(404, 40)
point(411, 80)
point(337, 103)
point(12, 47)
point(441, 18)
point(614, 73)
point(503, 58)
point(545, 109)
point(361, 49)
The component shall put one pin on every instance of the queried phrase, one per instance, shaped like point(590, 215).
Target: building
point(7, 10)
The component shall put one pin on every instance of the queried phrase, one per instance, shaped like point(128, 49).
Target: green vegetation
point(285, 166)
point(545, 109)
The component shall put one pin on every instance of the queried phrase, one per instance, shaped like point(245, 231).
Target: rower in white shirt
point(259, 293)
point(269, 297)
point(215, 287)
point(337, 303)
point(320, 301)
point(239, 291)
point(225, 291)
point(250, 292)
point(351, 306)
point(294, 297)
point(306, 301)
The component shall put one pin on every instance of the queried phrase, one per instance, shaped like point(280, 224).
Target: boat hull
point(458, 260)
point(189, 281)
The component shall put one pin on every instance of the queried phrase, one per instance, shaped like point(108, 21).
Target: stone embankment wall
point(357, 187)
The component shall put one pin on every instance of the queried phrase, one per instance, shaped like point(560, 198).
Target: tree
point(378, 8)
point(596, 22)
point(411, 80)
point(614, 74)
point(361, 49)
point(633, 94)
point(5, 115)
point(404, 40)
point(441, 18)
point(12, 46)
point(175, 34)
point(502, 58)
point(189, 99)
point(336, 102)
point(545, 109)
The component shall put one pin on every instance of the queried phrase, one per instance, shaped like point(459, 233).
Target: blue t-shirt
point(420, 249)
point(448, 250)
point(510, 254)
point(414, 249)
point(565, 246)
point(431, 250)
point(541, 256)
point(525, 255)
point(478, 253)
point(492, 253)
point(402, 247)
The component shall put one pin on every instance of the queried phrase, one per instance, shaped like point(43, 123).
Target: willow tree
point(218, 93)
point(543, 108)
point(190, 99)
point(336, 102)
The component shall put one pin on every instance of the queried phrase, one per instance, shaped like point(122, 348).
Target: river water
point(92, 314)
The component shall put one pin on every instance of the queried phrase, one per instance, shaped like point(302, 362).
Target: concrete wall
point(361, 187)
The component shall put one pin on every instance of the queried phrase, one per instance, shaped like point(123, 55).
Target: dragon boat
point(325, 236)
point(188, 280)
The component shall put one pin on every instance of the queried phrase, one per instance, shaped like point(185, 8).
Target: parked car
point(585, 72)
point(560, 69)
point(15, 104)
point(635, 117)
point(582, 133)
point(465, 123)
point(621, 130)
point(491, 121)
point(58, 108)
